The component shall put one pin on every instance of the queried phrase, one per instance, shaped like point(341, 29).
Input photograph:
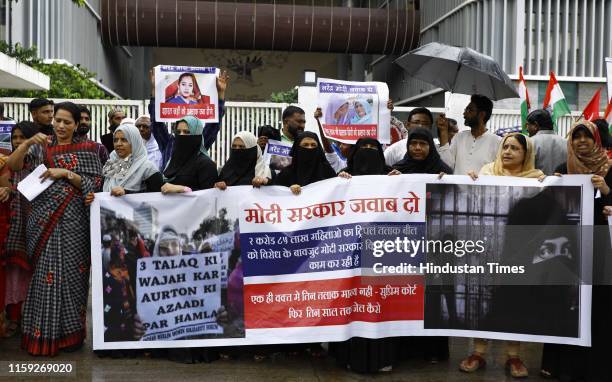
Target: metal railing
point(241, 116)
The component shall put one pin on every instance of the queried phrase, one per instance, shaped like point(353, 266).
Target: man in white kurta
point(470, 149)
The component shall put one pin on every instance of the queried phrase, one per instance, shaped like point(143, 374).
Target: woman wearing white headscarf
point(244, 163)
point(129, 170)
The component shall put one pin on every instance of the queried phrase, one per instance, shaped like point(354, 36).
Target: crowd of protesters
point(45, 244)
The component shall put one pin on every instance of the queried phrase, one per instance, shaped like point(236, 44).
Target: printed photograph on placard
point(185, 90)
point(277, 154)
point(531, 272)
point(5, 137)
point(353, 110)
point(170, 280)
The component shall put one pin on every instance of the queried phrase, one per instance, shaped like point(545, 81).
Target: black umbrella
point(458, 70)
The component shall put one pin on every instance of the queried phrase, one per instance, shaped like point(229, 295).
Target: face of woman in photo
point(582, 142)
point(238, 144)
point(119, 273)
point(169, 248)
point(308, 143)
point(513, 153)
point(123, 148)
point(186, 86)
point(359, 109)
point(418, 149)
point(64, 125)
point(551, 248)
point(17, 139)
point(342, 110)
point(182, 128)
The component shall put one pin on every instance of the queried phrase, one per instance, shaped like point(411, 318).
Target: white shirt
point(466, 153)
point(397, 151)
point(335, 161)
point(153, 152)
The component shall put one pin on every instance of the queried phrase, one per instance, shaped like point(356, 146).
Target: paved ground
point(90, 367)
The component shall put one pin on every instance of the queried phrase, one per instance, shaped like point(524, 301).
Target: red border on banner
point(350, 132)
point(175, 111)
point(277, 314)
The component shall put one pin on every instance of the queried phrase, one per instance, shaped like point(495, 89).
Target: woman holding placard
point(57, 235)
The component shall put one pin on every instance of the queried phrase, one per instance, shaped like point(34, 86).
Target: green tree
point(66, 81)
point(287, 96)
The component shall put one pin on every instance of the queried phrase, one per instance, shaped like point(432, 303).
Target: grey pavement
point(90, 367)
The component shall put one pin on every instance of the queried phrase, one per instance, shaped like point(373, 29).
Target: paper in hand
point(31, 186)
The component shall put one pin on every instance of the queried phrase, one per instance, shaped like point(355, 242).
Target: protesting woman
point(365, 159)
point(189, 167)
point(18, 266)
point(244, 163)
point(58, 235)
point(515, 157)
point(422, 158)
point(363, 355)
point(308, 165)
point(421, 155)
point(129, 169)
point(585, 155)
point(5, 192)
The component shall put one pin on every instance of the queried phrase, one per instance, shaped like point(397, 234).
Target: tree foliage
point(287, 96)
point(66, 81)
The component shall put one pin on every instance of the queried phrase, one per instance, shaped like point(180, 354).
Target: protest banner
point(277, 154)
point(5, 137)
point(178, 296)
point(353, 110)
point(186, 90)
point(345, 259)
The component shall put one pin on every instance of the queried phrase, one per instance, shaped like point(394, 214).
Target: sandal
point(259, 357)
point(516, 368)
point(473, 363)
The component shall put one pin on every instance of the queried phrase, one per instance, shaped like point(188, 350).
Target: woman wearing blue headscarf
point(363, 112)
point(189, 167)
point(338, 111)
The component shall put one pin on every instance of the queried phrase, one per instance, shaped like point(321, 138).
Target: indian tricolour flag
point(554, 101)
point(525, 104)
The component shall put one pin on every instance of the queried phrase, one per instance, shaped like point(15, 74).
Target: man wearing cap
point(115, 117)
point(143, 123)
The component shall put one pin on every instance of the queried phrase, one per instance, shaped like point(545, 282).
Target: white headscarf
point(132, 171)
point(250, 140)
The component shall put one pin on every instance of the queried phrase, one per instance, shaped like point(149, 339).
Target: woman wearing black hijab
point(308, 165)
point(364, 355)
point(365, 158)
point(189, 168)
point(421, 156)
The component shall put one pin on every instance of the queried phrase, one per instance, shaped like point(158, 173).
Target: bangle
point(186, 189)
